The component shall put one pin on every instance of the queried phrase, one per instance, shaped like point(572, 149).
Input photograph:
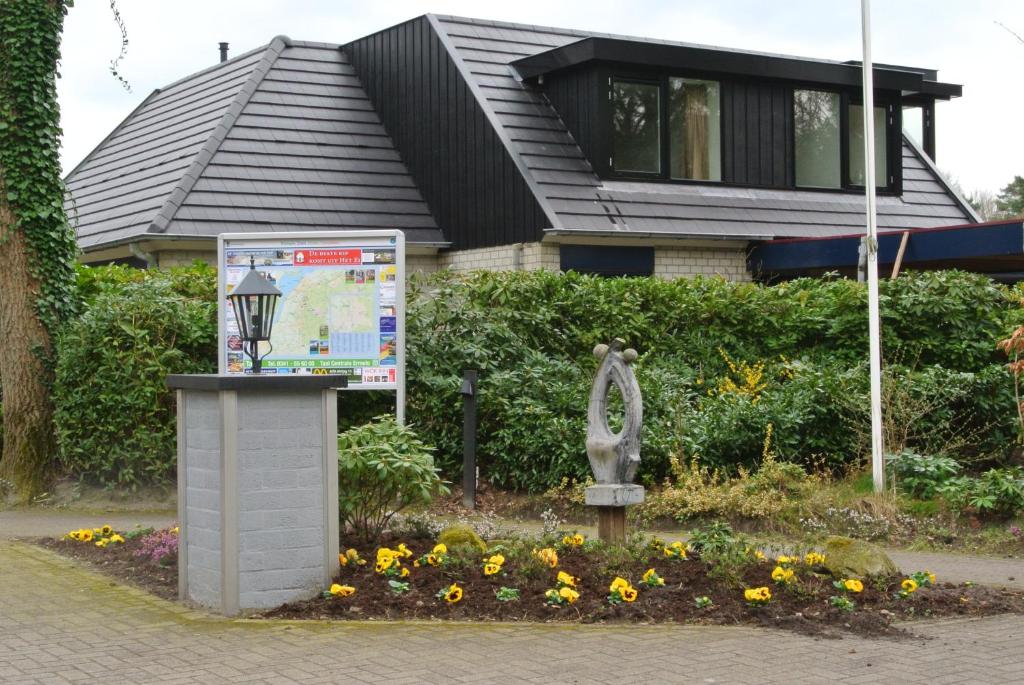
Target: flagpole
point(874, 341)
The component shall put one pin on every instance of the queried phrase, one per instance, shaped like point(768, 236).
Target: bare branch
point(1010, 31)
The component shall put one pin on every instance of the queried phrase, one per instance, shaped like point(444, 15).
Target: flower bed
point(571, 579)
point(143, 557)
point(650, 582)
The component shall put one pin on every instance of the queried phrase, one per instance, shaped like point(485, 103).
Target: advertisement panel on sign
point(342, 306)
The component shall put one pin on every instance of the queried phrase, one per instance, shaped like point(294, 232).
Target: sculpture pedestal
point(611, 502)
point(257, 488)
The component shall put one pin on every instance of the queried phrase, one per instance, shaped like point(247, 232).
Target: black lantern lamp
point(254, 300)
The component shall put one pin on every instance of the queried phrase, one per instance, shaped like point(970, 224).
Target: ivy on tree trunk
point(37, 247)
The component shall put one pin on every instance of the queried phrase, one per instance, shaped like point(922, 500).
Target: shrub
point(462, 537)
point(922, 475)
point(997, 492)
point(382, 468)
point(115, 419)
point(776, 490)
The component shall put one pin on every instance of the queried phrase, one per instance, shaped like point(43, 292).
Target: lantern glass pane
point(238, 303)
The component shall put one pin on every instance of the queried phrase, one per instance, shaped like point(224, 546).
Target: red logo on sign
point(326, 257)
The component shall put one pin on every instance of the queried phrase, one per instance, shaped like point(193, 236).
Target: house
point(506, 146)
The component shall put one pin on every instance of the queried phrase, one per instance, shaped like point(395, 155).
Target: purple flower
point(160, 546)
point(1015, 531)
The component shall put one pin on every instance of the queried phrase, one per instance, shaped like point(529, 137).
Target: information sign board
point(342, 305)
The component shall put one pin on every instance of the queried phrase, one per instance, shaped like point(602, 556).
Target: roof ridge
point(188, 180)
point(492, 118)
point(941, 178)
point(218, 65)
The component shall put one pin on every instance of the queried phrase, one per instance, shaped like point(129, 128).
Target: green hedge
point(531, 336)
point(114, 416)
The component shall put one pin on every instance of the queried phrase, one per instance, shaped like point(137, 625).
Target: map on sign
point(340, 307)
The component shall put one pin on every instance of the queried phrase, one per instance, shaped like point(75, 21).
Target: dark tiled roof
point(280, 139)
point(576, 200)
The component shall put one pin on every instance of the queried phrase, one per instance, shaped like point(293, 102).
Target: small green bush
point(922, 475)
point(382, 468)
point(464, 537)
point(998, 493)
point(115, 418)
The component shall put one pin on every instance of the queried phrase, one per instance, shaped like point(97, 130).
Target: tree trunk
point(28, 440)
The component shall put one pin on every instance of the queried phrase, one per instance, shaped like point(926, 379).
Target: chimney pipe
point(223, 52)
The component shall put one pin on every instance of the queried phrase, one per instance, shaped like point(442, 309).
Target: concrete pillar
point(257, 489)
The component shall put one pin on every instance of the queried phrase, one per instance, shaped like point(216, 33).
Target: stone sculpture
point(614, 457)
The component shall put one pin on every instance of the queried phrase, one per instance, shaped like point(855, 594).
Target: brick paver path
point(62, 624)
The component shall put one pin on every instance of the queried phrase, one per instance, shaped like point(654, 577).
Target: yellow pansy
point(497, 559)
point(491, 569)
point(106, 530)
point(548, 556)
point(567, 579)
point(909, 585)
point(618, 584)
point(814, 559)
point(342, 590)
point(453, 594)
point(853, 585)
point(651, 577)
point(403, 551)
point(440, 548)
point(568, 594)
point(628, 593)
point(782, 575)
point(101, 543)
point(117, 538)
point(85, 535)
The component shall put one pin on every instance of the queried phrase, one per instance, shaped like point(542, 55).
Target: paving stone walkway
point(60, 623)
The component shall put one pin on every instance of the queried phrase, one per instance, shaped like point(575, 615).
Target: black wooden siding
point(757, 125)
point(757, 134)
point(575, 94)
point(464, 172)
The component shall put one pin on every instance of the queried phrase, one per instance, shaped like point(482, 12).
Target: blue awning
point(996, 248)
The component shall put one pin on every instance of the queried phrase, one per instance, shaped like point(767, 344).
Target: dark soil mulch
point(803, 608)
point(120, 562)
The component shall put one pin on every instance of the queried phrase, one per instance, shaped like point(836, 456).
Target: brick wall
point(280, 497)
point(675, 262)
point(521, 257)
point(202, 494)
point(669, 262)
point(421, 263)
point(169, 258)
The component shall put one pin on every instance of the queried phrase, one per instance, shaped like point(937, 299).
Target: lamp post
point(253, 301)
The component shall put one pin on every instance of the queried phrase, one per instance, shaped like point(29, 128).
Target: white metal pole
point(874, 340)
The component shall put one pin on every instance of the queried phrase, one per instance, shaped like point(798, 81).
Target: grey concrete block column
point(257, 489)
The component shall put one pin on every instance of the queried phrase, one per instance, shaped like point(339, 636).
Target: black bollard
point(469, 439)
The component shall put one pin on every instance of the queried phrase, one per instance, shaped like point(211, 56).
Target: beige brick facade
point(518, 257)
point(682, 262)
point(669, 262)
point(421, 263)
point(168, 258)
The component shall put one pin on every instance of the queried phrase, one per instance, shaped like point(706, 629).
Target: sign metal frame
point(320, 240)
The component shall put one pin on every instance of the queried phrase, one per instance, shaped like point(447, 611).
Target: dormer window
point(818, 140)
point(636, 126)
point(685, 112)
point(695, 129)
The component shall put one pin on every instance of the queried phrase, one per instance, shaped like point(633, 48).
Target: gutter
point(657, 234)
